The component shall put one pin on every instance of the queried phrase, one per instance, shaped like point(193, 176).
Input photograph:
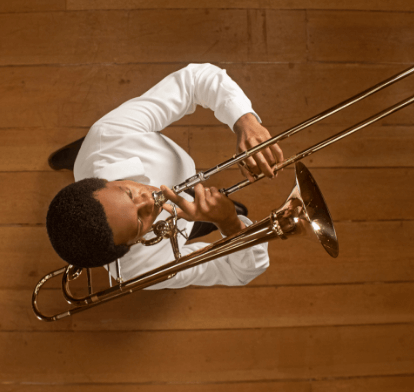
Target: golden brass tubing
point(205, 175)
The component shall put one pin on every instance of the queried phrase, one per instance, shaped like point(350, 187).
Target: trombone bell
point(306, 214)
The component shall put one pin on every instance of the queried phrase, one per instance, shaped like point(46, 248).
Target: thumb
point(169, 194)
point(178, 200)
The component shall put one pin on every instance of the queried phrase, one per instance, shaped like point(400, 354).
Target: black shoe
point(64, 158)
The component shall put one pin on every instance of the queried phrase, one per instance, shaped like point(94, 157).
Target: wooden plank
point(29, 149)
point(32, 6)
point(27, 201)
point(282, 94)
point(65, 96)
point(281, 386)
point(363, 384)
point(220, 308)
point(351, 194)
point(345, 191)
point(207, 356)
point(380, 5)
point(152, 36)
point(363, 36)
point(368, 252)
point(374, 146)
point(395, 384)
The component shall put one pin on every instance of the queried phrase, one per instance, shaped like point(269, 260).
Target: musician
point(125, 157)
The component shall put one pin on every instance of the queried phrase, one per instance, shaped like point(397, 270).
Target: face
point(129, 208)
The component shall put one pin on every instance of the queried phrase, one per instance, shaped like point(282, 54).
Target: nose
point(144, 202)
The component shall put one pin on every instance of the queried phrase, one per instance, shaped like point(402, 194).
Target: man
point(125, 157)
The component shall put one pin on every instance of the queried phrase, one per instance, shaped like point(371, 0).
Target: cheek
point(147, 224)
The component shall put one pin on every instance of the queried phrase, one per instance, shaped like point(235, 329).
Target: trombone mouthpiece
point(159, 198)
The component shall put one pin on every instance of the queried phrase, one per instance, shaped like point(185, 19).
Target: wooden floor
point(310, 323)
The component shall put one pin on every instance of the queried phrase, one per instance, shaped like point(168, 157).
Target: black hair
point(78, 227)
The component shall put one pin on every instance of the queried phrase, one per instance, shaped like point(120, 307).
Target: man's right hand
point(209, 206)
point(250, 133)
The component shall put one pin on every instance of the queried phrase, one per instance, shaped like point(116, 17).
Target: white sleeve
point(235, 269)
point(179, 94)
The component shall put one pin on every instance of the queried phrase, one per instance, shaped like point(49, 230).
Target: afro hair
point(78, 228)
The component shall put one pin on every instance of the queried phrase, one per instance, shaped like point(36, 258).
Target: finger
point(212, 195)
point(268, 155)
point(252, 165)
point(263, 165)
point(200, 197)
point(200, 193)
point(170, 209)
point(217, 196)
point(246, 173)
point(214, 191)
point(277, 152)
point(270, 159)
point(211, 198)
point(186, 206)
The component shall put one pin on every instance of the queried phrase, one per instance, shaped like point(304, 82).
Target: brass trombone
point(303, 214)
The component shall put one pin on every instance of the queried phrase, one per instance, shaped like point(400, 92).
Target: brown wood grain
point(363, 36)
point(310, 322)
point(368, 252)
point(374, 146)
point(359, 384)
point(206, 356)
point(392, 5)
point(32, 6)
point(153, 36)
point(281, 386)
point(282, 94)
point(27, 201)
point(29, 149)
point(397, 384)
point(220, 308)
point(239, 35)
point(351, 194)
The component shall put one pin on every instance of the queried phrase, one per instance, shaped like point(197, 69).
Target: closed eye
point(140, 223)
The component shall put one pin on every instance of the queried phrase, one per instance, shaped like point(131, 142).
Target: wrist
point(230, 226)
point(244, 121)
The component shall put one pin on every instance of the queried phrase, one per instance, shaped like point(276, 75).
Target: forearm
point(178, 95)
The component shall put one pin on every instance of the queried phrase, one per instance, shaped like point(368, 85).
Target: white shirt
point(127, 144)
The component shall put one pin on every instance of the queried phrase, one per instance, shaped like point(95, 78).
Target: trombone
point(304, 214)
